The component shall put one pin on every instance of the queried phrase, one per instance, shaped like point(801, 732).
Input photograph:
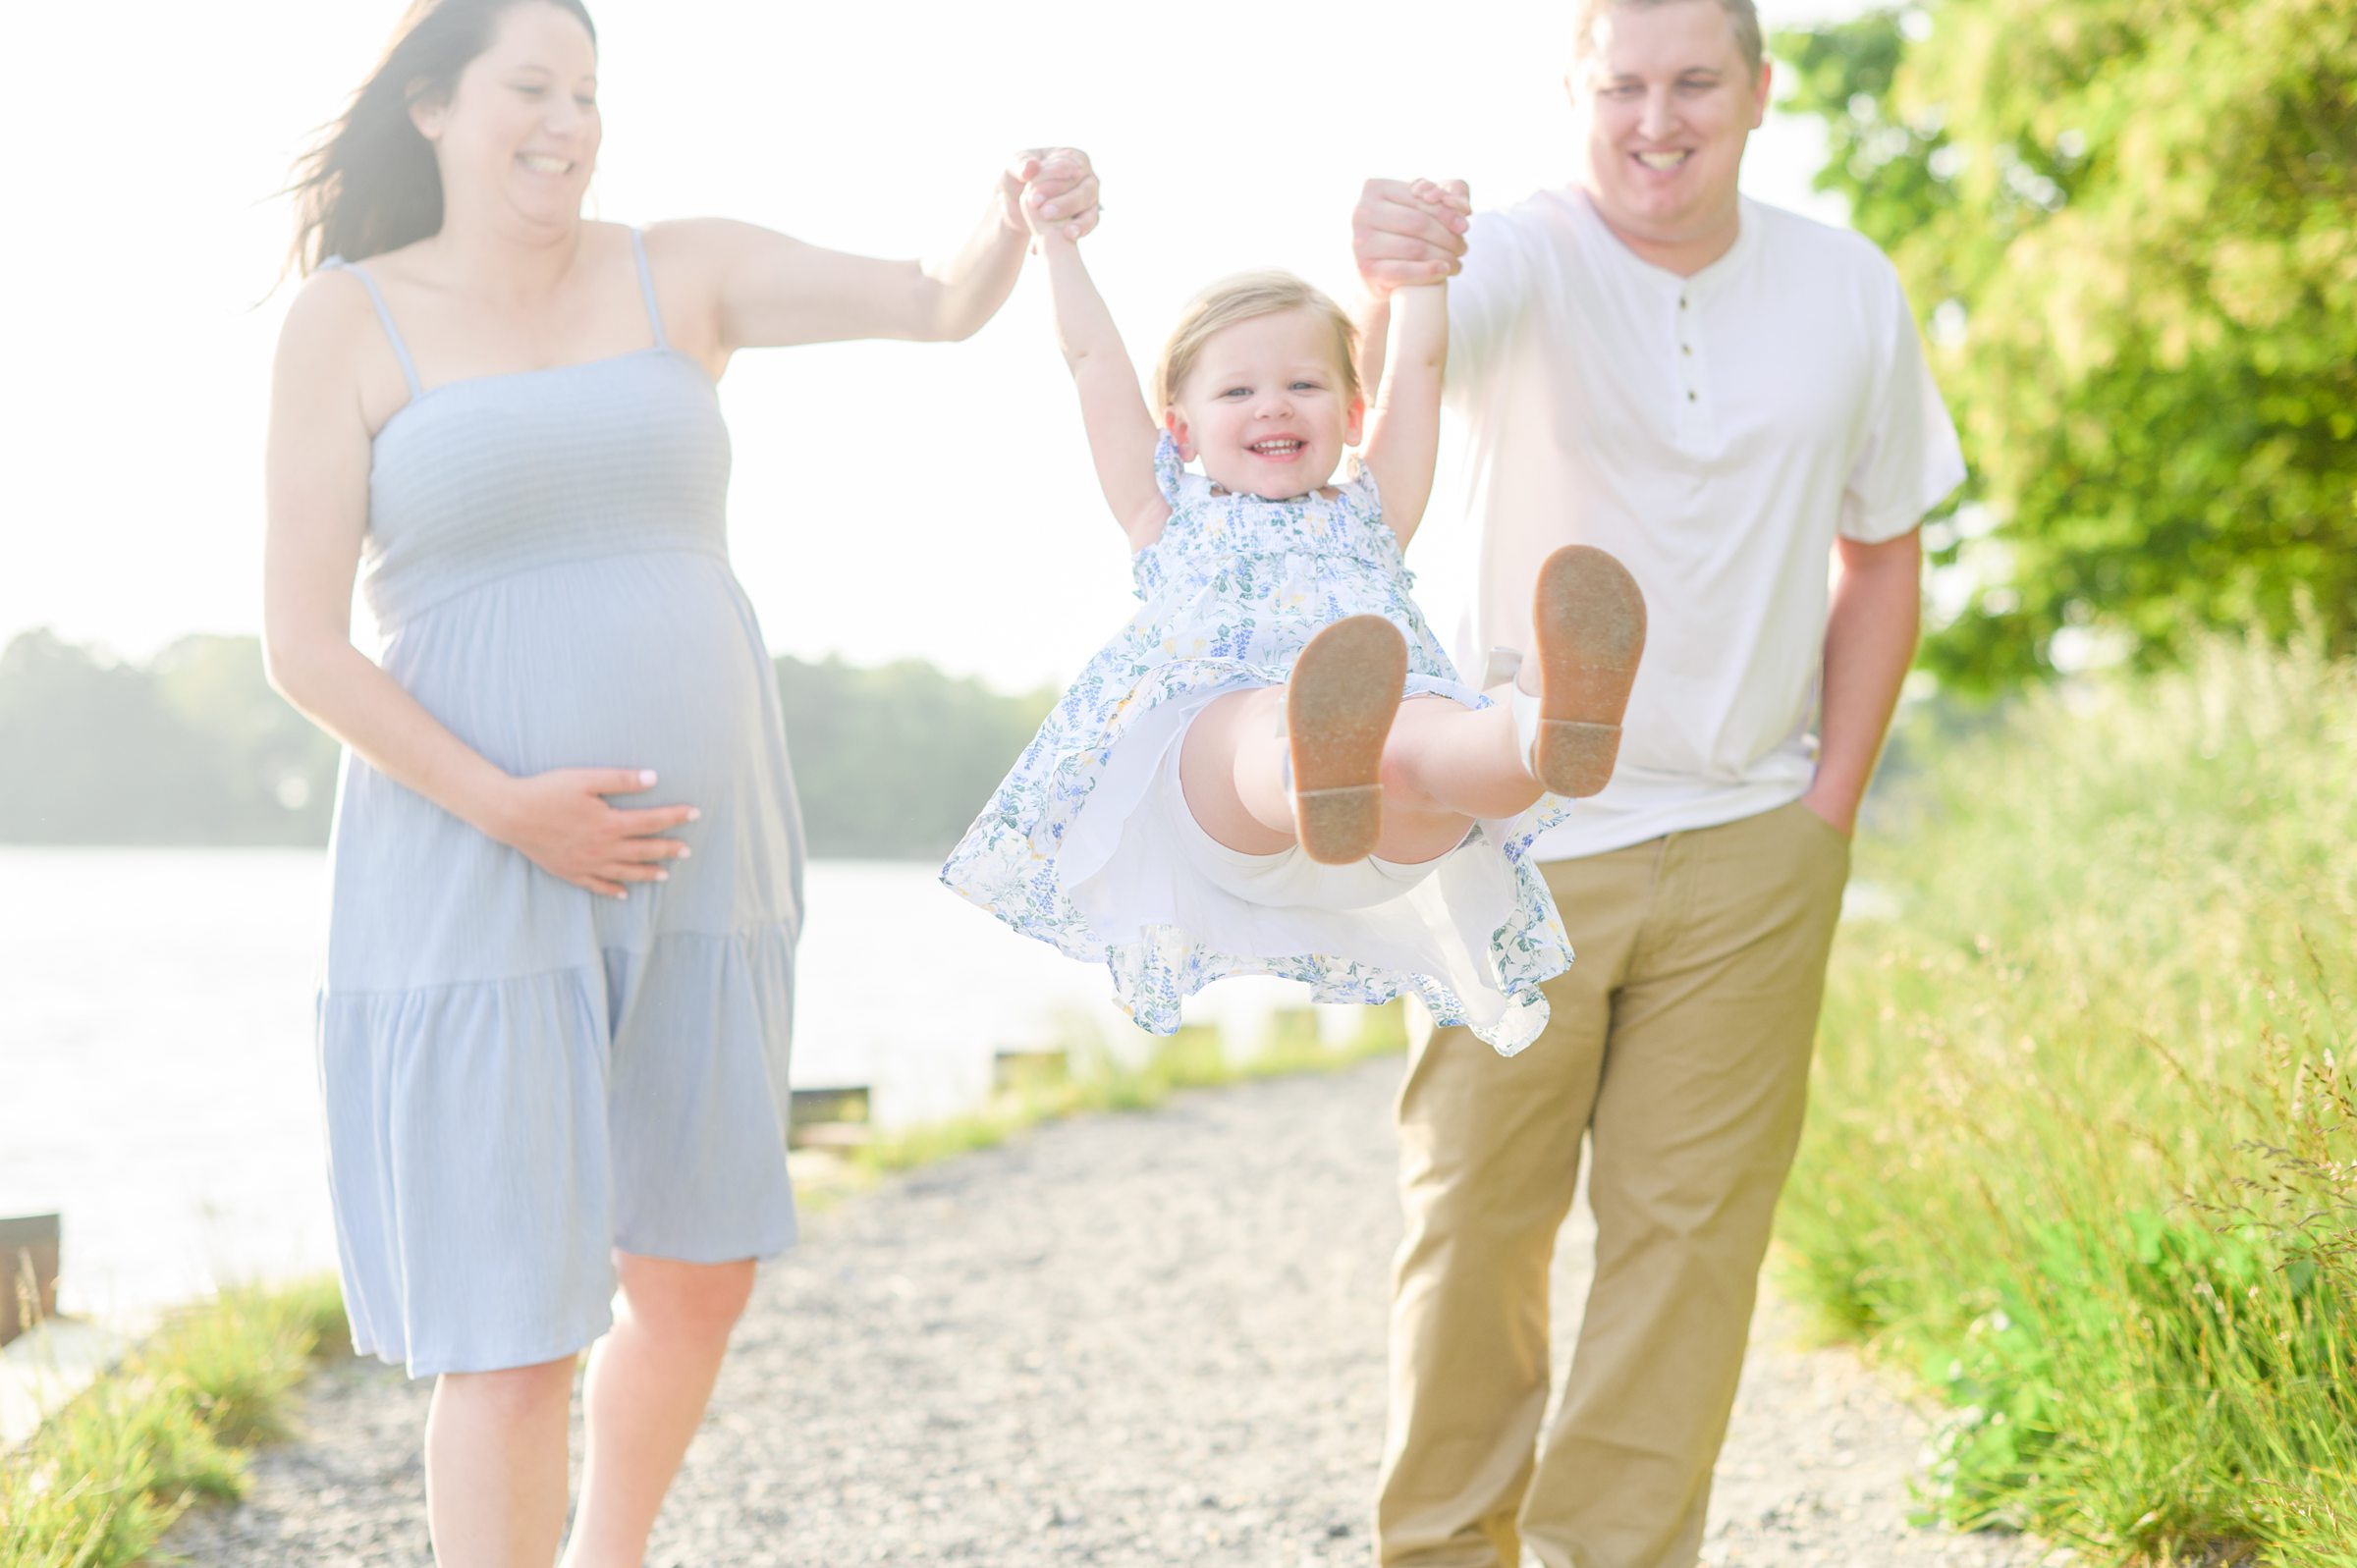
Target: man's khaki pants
point(1679, 1045)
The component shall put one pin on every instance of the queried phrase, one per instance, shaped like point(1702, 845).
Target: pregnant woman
point(567, 857)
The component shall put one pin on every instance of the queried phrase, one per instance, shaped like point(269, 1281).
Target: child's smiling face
point(1268, 406)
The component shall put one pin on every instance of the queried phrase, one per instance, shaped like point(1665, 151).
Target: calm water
point(156, 1078)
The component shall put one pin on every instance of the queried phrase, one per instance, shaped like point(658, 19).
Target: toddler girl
point(1274, 768)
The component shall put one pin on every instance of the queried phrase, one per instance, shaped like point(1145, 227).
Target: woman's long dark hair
point(371, 183)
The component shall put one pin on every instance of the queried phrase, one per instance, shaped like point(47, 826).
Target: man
point(1719, 394)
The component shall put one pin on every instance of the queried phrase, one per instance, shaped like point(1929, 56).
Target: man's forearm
point(1870, 639)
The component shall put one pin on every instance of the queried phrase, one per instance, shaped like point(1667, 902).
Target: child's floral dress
point(1077, 848)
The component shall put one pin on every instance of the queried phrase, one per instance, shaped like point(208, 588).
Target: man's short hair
point(1741, 14)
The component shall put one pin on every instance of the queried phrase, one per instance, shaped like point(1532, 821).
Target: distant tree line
point(194, 748)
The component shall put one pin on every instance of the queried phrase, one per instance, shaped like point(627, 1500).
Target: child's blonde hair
point(1244, 298)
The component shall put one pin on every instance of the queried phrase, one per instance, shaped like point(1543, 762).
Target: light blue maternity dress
point(522, 1075)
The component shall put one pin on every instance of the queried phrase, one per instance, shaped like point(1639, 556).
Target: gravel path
point(1122, 1340)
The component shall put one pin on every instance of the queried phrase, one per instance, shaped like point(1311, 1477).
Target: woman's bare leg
point(649, 1381)
point(495, 1455)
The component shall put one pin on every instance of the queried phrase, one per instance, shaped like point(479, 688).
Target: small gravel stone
point(1128, 1341)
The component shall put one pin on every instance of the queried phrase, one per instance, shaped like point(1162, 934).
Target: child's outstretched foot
point(1590, 621)
point(1338, 707)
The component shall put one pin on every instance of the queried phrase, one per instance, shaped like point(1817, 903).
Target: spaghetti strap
point(646, 286)
point(401, 349)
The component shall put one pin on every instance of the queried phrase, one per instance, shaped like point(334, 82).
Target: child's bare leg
point(1442, 766)
point(1445, 759)
point(1446, 765)
point(1232, 768)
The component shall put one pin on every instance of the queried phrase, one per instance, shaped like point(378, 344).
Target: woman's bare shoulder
point(329, 312)
point(400, 266)
point(334, 352)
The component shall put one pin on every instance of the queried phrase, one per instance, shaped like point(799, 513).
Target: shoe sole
point(1338, 707)
point(1589, 620)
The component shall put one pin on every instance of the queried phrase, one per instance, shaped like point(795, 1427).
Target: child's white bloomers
point(1087, 842)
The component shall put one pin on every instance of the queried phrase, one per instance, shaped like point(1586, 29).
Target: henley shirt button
point(1686, 348)
point(1689, 397)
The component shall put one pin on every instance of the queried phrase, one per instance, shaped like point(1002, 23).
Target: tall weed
point(2083, 1148)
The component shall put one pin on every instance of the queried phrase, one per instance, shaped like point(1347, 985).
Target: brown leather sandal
point(1589, 617)
point(1338, 707)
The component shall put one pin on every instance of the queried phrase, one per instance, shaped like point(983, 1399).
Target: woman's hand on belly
point(562, 820)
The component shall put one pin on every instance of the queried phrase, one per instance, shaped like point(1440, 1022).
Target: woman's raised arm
point(768, 290)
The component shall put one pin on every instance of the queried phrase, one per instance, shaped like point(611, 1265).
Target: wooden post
point(27, 1273)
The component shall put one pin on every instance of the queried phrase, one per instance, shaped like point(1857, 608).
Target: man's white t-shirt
point(1714, 433)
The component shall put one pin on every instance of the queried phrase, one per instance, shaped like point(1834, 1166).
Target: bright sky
point(888, 500)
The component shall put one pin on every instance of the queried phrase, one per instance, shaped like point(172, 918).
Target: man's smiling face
point(1666, 100)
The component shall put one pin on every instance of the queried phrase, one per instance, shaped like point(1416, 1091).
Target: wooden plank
point(28, 1254)
point(835, 1137)
point(1011, 1068)
point(811, 1109)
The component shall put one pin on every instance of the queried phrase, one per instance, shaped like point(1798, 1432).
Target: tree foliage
point(893, 762)
point(2132, 225)
point(193, 748)
point(196, 748)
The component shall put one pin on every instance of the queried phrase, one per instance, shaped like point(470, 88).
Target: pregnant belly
point(643, 661)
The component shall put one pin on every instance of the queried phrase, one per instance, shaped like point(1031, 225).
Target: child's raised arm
point(1403, 433)
point(1121, 432)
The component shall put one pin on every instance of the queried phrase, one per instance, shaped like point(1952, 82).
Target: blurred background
point(2082, 1146)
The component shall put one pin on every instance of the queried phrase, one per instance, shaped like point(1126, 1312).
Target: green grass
point(2082, 1150)
point(99, 1485)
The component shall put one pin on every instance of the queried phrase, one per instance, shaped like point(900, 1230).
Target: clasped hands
point(1407, 232)
point(1048, 191)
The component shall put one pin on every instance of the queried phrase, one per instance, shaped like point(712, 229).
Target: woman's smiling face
point(521, 128)
point(1268, 406)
